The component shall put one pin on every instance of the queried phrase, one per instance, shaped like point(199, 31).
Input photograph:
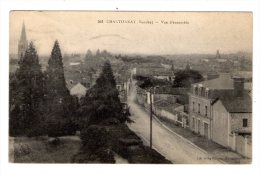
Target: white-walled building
point(78, 90)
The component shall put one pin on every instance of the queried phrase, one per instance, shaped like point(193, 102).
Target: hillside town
point(184, 109)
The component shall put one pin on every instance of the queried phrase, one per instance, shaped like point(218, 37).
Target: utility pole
point(151, 119)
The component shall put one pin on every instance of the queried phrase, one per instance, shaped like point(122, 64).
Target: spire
point(23, 34)
point(218, 54)
point(23, 43)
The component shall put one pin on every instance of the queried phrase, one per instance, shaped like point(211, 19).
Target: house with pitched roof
point(78, 90)
point(204, 94)
point(232, 121)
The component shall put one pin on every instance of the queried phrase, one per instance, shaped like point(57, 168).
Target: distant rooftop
point(224, 81)
point(78, 90)
point(244, 74)
point(167, 105)
point(171, 90)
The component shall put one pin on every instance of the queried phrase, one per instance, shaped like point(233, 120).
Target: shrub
point(94, 137)
point(37, 130)
point(57, 125)
point(22, 150)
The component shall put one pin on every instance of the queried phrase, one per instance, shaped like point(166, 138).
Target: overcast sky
point(79, 31)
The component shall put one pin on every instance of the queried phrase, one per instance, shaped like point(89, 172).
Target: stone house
point(202, 97)
point(232, 122)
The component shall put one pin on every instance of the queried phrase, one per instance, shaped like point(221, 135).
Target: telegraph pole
point(151, 119)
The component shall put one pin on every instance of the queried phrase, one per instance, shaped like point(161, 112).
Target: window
point(202, 91)
point(196, 90)
point(207, 92)
point(198, 108)
point(199, 126)
point(244, 122)
point(206, 111)
point(193, 109)
point(193, 123)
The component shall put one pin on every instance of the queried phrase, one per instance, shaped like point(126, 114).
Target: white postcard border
point(186, 5)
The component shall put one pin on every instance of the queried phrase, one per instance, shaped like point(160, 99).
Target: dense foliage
point(184, 78)
point(59, 102)
point(97, 55)
point(110, 136)
point(102, 101)
point(40, 103)
point(148, 82)
point(26, 94)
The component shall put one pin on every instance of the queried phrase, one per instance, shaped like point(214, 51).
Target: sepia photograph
point(135, 87)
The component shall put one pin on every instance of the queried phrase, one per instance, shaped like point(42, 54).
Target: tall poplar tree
point(26, 93)
point(58, 96)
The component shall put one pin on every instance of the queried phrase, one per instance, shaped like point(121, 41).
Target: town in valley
point(104, 106)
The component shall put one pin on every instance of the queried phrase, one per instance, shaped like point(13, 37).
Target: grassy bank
point(109, 142)
point(40, 150)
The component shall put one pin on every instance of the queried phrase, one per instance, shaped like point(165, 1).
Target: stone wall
point(237, 121)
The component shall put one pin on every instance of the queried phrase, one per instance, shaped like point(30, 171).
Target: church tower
point(23, 43)
point(217, 55)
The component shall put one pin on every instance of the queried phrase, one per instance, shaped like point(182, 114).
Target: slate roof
point(235, 104)
point(238, 105)
point(222, 89)
point(162, 103)
point(224, 81)
point(244, 74)
point(173, 108)
point(171, 90)
point(167, 106)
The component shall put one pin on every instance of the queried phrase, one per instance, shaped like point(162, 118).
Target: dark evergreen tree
point(89, 55)
point(102, 101)
point(56, 86)
point(104, 53)
point(106, 78)
point(26, 93)
point(60, 103)
point(98, 53)
point(184, 78)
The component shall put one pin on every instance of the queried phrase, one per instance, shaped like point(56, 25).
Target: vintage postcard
point(130, 87)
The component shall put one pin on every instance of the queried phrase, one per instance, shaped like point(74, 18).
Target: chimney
point(238, 86)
